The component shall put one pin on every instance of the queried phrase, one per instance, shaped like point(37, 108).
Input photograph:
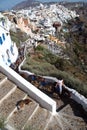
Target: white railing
point(31, 90)
point(74, 94)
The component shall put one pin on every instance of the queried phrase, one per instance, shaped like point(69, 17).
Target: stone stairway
point(32, 116)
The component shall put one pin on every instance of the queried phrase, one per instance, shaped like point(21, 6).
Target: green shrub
point(18, 37)
point(2, 123)
point(39, 48)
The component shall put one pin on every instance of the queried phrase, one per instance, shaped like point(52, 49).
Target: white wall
point(7, 44)
point(74, 94)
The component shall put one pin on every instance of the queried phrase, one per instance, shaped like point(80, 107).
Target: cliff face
point(77, 37)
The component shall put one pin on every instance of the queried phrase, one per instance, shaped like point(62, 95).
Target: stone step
point(3, 78)
point(9, 104)
point(39, 120)
point(6, 89)
point(77, 122)
point(65, 125)
point(20, 117)
point(71, 109)
point(54, 124)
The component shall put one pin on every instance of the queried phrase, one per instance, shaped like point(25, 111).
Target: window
point(3, 37)
point(11, 49)
point(3, 21)
point(1, 42)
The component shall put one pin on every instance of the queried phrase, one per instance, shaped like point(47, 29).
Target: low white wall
point(79, 98)
point(74, 94)
point(27, 73)
point(33, 92)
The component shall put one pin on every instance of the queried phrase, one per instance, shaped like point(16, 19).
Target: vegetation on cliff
point(43, 62)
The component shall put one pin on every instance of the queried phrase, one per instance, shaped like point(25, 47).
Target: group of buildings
point(42, 18)
point(38, 22)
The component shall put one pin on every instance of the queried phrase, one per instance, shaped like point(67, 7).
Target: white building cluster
point(8, 49)
point(43, 16)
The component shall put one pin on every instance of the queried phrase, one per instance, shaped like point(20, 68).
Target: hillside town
point(41, 19)
point(42, 23)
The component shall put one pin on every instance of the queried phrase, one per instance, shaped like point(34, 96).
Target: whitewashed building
point(8, 49)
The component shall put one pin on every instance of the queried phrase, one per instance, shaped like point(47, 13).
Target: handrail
point(44, 100)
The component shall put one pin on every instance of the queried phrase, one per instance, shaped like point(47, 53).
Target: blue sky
point(7, 4)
